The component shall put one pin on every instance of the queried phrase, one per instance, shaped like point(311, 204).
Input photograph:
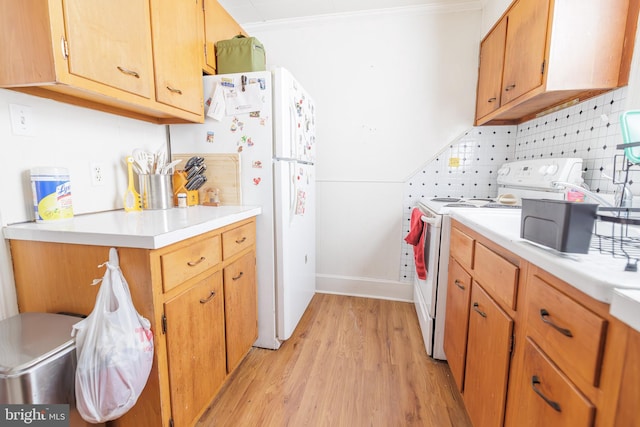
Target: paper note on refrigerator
point(245, 99)
point(216, 103)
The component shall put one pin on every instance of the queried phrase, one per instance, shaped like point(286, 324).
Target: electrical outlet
point(97, 174)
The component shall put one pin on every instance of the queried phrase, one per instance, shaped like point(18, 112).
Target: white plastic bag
point(114, 346)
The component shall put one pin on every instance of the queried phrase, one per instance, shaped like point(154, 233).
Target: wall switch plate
point(97, 174)
point(21, 119)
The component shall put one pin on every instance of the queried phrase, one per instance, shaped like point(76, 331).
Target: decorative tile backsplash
point(467, 167)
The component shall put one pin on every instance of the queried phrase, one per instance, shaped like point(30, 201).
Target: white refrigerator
point(268, 119)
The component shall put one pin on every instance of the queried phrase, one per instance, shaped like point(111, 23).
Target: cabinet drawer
point(547, 397)
point(462, 247)
point(570, 334)
point(237, 239)
point(189, 261)
point(497, 275)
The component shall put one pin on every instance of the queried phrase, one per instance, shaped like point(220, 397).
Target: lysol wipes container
point(51, 194)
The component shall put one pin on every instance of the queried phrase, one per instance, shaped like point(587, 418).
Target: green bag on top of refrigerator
point(240, 55)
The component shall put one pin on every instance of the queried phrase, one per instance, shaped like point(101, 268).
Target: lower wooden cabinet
point(204, 322)
point(241, 308)
point(457, 320)
point(629, 401)
point(195, 347)
point(528, 349)
point(546, 397)
point(488, 360)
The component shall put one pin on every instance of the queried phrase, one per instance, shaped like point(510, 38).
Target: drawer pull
point(173, 90)
point(494, 99)
point(477, 310)
point(241, 240)
point(544, 314)
point(194, 263)
point(207, 299)
point(534, 382)
point(510, 87)
point(128, 72)
point(459, 284)
point(238, 276)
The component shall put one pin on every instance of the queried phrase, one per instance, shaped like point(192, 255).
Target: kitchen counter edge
point(150, 229)
point(593, 280)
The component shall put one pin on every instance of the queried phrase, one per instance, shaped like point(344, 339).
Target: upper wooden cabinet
point(105, 55)
point(105, 45)
point(543, 54)
point(490, 71)
point(176, 55)
point(217, 25)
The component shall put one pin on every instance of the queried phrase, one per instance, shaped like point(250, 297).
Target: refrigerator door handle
point(293, 185)
point(293, 151)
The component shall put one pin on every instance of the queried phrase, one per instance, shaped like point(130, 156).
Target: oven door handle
point(426, 219)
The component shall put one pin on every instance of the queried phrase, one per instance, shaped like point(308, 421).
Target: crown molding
point(279, 24)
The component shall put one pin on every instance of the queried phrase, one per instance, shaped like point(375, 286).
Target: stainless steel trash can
point(38, 359)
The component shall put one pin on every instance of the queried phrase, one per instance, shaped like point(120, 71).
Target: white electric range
point(535, 178)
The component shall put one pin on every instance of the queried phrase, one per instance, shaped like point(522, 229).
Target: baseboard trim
point(364, 287)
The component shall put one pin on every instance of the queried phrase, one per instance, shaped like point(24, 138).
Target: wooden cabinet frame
point(602, 390)
point(57, 277)
point(585, 50)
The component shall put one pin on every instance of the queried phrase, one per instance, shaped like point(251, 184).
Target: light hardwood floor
point(351, 362)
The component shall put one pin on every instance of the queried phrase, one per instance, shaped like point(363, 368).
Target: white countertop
point(626, 306)
point(149, 229)
point(597, 275)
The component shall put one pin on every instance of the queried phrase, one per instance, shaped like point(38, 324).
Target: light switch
point(21, 119)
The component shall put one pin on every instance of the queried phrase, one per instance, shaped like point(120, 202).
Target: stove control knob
point(504, 171)
point(552, 169)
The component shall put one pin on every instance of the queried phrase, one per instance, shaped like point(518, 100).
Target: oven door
point(428, 287)
point(425, 290)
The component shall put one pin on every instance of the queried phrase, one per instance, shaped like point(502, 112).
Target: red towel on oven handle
point(416, 238)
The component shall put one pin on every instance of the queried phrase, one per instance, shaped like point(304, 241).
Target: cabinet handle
point(241, 240)
point(544, 314)
point(238, 276)
point(534, 382)
point(494, 99)
point(170, 89)
point(128, 72)
point(194, 263)
point(510, 87)
point(207, 299)
point(459, 284)
point(477, 310)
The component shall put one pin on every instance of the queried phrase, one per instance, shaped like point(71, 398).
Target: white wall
point(492, 10)
point(65, 136)
point(391, 89)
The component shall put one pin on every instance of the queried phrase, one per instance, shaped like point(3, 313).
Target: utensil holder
point(157, 191)
point(179, 183)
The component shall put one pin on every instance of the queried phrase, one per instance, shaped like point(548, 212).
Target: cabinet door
point(176, 54)
point(627, 412)
point(488, 359)
point(218, 25)
point(108, 46)
point(525, 48)
point(195, 347)
point(490, 71)
point(546, 397)
point(457, 320)
point(241, 309)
